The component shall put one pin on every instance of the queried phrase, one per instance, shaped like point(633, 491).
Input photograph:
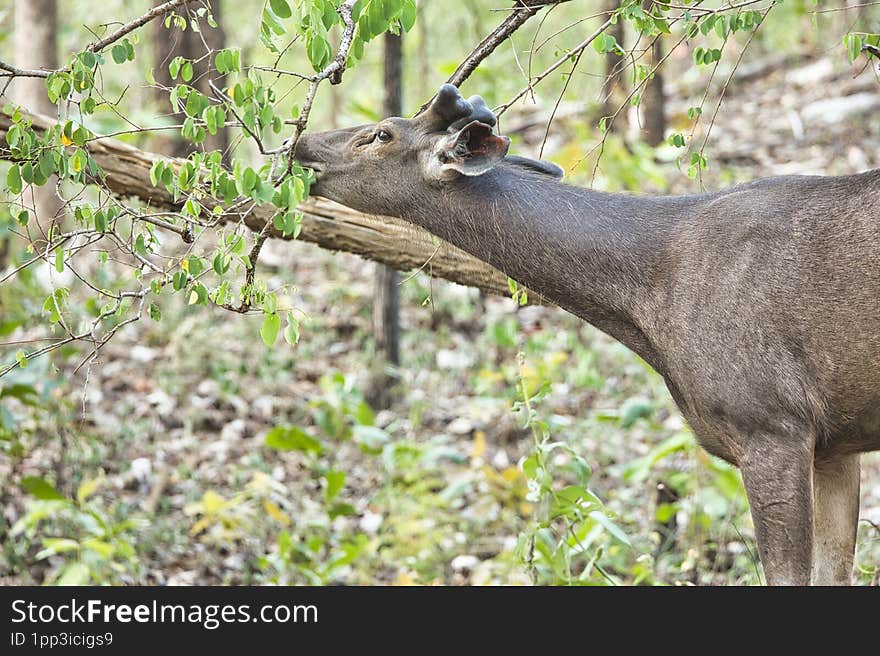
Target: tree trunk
point(36, 24)
point(653, 104)
point(386, 296)
point(613, 91)
point(384, 239)
point(169, 43)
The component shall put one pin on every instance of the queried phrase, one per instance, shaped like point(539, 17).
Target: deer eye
point(383, 136)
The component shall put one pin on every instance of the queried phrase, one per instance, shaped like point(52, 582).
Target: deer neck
point(603, 257)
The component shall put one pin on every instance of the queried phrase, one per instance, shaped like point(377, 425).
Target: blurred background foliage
point(520, 445)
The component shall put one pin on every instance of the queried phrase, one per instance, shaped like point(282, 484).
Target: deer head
point(386, 167)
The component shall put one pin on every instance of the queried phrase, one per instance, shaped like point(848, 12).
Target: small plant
point(82, 542)
point(312, 550)
point(564, 544)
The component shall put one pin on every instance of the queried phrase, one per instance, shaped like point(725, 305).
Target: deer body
point(758, 305)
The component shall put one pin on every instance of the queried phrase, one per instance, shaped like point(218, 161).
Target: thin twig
point(97, 46)
point(333, 72)
point(14, 71)
point(424, 264)
point(522, 11)
point(574, 52)
point(727, 85)
point(574, 66)
point(135, 24)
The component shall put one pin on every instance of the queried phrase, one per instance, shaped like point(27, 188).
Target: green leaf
point(78, 161)
point(318, 51)
point(335, 481)
point(27, 172)
point(530, 466)
point(54, 303)
point(371, 439)
point(220, 264)
point(156, 172)
point(88, 487)
point(376, 17)
point(364, 414)
point(639, 469)
point(210, 116)
point(292, 438)
point(13, 179)
point(721, 27)
point(104, 549)
point(634, 409)
point(26, 394)
point(186, 72)
point(677, 140)
point(853, 44)
point(291, 332)
point(270, 328)
point(88, 58)
point(341, 510)
point(610, 526)
point(46, 163)
point(76, 573)
point(59, 260)
point(408, 15)
point(196, 265)
point(196, 103)
point(40, 488)
point(100, 221)
point(280, 8)
point(357, 49)
point(249, 180)
point(54, 546)
point(179, 280)
point(119, 53)
point(198, 294)
point(227, 61)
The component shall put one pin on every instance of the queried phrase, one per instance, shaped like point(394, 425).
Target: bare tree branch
point(14, 71)
point(161, 10)
point(157, 11)
point(574, 52)
point(522, 11)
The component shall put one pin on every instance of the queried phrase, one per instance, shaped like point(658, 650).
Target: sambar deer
point(759, 305)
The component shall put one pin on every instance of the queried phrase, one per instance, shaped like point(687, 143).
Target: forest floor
point(170, 425)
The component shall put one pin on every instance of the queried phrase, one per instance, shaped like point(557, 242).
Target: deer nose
point(303, 152)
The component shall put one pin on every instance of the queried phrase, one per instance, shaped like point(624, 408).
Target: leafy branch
point(97, 46)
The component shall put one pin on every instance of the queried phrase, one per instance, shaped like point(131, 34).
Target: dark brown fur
point(759, 305)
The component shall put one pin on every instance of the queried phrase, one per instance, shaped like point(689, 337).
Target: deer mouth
point(317, 170)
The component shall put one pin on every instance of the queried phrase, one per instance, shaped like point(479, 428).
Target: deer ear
point(471, 151)
point(537, 165)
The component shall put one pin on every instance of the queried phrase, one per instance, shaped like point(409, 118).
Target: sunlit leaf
point(40, 488)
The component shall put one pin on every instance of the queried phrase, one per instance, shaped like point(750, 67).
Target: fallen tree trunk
point(391, 241)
